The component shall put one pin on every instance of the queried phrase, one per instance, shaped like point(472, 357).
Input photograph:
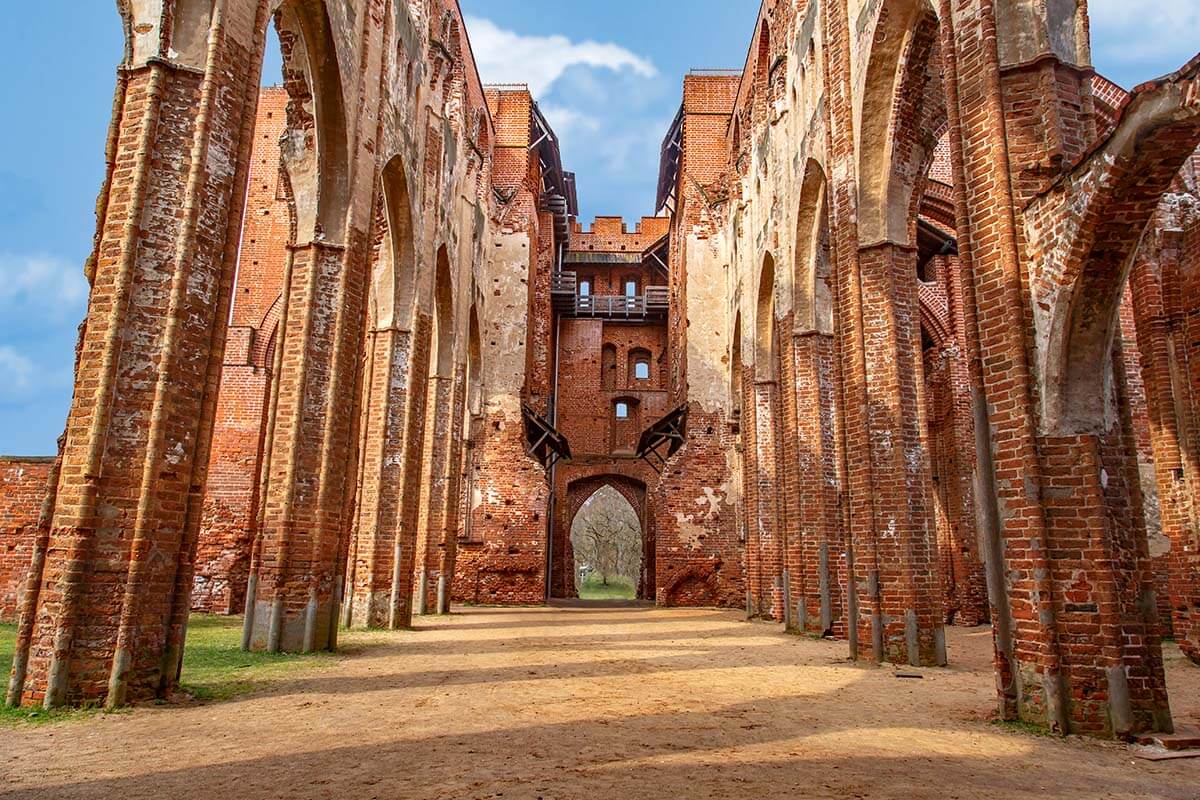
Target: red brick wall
point(586, 401)
point(22, 490)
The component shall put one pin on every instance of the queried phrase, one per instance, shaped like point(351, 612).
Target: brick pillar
point(766, 518)
point(297, 576)
point(789, 477)
point(817, 564)
point(108, 610)
point(1083, 649)
point(962, 502)
point(904, 569)
point(394, 422)
point(451, 518)
point(1166, 360)
point(893, 590)
point(431, 530)
point(756, 574)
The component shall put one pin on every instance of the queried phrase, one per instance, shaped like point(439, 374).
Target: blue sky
point(607, 73)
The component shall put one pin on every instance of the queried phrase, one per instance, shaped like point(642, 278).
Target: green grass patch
point(8, 644)
point(618, 588)
point(216, 668)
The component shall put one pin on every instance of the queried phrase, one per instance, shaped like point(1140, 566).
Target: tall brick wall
point(502, 541)
point(22, 491)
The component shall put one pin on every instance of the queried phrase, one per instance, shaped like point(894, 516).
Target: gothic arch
point(394, 278)
point(1130, 172)
point(766, 355)
point(475, 389)
point(736, 366)
point(442, 363)
point(812, 271)
point(581, 490)
point(315, 149)
point(905, 34)
point(635, 493)
point(762, 68)
point(935, 315)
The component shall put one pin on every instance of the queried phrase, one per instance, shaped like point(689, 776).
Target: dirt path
point(603, 704)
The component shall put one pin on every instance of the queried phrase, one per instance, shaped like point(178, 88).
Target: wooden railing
point(564, 289)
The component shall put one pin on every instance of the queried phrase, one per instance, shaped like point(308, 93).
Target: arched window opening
point(394, 270)
point(474, 370)
point(639, 365)
point(762, 72)
point(625, 426)
point(443, 318)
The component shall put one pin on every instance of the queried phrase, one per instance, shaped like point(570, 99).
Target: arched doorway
point(608, 517)
point(606, 539)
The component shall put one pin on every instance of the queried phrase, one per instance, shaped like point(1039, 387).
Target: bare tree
point(607, 538)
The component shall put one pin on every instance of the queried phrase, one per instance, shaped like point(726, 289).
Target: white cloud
point(1131, 32)
point(42, 282)
point(504, 56)
point(565, 120)
point(16, 372)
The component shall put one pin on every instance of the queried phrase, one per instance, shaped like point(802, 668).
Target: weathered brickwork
point(231, 500)
point(926, 286)
point(881, 181)
point(22, 491)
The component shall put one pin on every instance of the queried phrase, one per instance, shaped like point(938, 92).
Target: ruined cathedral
point(911, 341)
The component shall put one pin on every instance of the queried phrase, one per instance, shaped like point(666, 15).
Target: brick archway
point(578, 492)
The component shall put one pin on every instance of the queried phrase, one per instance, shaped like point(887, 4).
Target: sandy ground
point(604, 704)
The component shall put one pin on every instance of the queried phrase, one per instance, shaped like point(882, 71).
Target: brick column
point(394, 424)
point(893, 593)
point(1166, 360)
point(1084, 646)
point(817, 563)
point(451, 518)
point(430, 533)
point(905, 570)
point(296, 592)
point(756, 579)
point(107, 611)
point(765, 515)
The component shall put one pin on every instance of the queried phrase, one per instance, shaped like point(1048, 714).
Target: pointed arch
point(812, 273)
point(905, 36)
point(443, 317)
point(765, 348)
point(762, 68)
point(735, 366)
point(315, 148)
point(394, 279)
point(474, 365)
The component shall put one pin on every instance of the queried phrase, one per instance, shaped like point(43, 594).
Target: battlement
point(612, 234)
